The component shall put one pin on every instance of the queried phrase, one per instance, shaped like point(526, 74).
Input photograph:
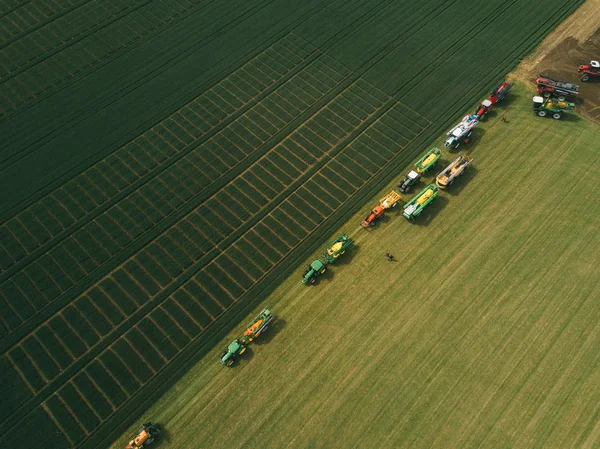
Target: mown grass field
point(164, 164)
point(483, 334)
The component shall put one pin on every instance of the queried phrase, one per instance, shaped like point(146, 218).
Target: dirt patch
point(576, 41)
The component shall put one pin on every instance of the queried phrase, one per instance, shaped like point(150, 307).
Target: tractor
point(461, 133)
point(145, 436)
point(237, 347)
point(551, 87)
point(588, 71)
point(334, 250)
point(315, 269)
point(453, 171)
point(411, 178)
point(428, 161)
point(550, 107)
point(387, 202)
point(498, 94)
point(421, 200)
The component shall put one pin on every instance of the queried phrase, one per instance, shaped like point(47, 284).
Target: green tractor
point(421, 200)
point(333, 251)
point(237, 347)
point(315, 269)
point(411, 178)
point(551, 107)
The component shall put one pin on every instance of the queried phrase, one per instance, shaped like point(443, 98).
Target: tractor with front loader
point(551, 87)
point(237, 347)
point(453, 171)
point(551, 107)
point(334, 250)
point(420, 201)
point(145, 436)
point(589, 71)
point(387, 202)
point(462, 132)
point(428, 161)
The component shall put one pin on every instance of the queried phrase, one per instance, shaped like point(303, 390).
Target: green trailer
point(429, 160)
point(337, 248)
point(551, 107)
point(420, 201)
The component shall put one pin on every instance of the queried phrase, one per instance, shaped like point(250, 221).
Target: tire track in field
point(181, 211)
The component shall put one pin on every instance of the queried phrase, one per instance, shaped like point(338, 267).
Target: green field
point(484, 333)
point(165, 165)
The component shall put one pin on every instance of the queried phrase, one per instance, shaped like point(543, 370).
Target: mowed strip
point(483, 334)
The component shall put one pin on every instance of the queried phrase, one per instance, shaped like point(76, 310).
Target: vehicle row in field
point(238, 346)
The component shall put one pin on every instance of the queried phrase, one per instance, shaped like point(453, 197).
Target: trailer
point(429, 160)
point(551, 87)
point(453, 171)
point(420, 201)
point(387, 202)
point(551, 107)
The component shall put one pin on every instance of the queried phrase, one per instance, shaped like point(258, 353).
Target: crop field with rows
point(165, 164)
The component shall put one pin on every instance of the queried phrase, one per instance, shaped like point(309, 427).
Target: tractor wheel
point(242, 350)
point(557, 116)
point(585, 77)
point(229, 362)
point(542, 113)
point(561, 98)
point(312, 280)
point(546, 94)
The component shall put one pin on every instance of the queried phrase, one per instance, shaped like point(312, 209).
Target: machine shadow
point(431, 211)
point(462, 181)
point(275, 328)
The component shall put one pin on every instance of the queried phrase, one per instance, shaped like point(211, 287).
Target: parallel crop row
point(85, 248)
point(42, 43)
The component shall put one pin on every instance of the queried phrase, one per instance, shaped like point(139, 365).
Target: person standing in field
point(389, 256)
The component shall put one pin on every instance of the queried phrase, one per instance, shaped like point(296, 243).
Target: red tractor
point(591, 70)
point(498, 94)
point(550, 87)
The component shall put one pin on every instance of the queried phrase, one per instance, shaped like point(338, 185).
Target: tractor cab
point(486, 103)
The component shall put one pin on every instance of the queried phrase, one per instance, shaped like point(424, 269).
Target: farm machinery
point(145, 436)
point(588, 71)
point(411, 178)
point(551, 87)
point(421, 200)
point(453, 171)
point(387, 202)
point(498, 94)
point(429, 160)
point(551, 107)
point(334, 250)
point(237, 347)
point(461, 133)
